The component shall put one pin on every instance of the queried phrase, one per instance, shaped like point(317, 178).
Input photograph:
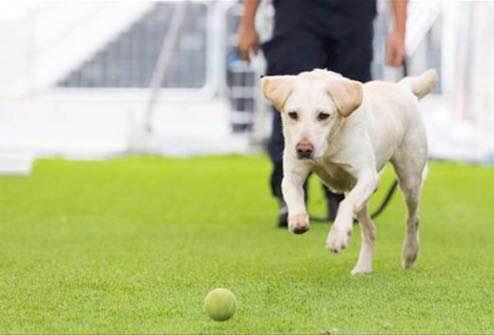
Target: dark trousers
point(348, 51)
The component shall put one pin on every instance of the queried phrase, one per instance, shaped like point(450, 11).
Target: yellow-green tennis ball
point(220, 304)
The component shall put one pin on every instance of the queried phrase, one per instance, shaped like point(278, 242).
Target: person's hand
point(395, 49)
point(247, 40)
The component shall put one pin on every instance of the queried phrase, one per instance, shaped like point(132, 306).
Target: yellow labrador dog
point(346, 131)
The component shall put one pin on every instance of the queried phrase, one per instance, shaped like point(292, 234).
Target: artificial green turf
point(133, 245)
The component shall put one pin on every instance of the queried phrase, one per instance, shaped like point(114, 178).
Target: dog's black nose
point(304, 153)
point(304, 149)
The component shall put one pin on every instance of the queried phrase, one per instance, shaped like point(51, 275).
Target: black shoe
point(283, 217)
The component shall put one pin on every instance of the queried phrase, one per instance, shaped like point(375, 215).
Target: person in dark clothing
point(328, 34)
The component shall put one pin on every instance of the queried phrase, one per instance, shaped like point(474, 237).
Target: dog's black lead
point(376, 213)
point(386, 200)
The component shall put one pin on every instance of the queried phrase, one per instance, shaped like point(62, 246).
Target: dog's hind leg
point(411, 242)
point(368, 233)
point(409, 163)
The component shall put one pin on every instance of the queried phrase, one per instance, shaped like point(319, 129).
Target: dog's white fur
point(368, 125)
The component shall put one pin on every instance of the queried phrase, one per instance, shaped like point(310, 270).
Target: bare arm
point(250, 9)
point(247, 38)
point(395, 45)
point(400, 15)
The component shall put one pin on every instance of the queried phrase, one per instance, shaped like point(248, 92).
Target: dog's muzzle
point(304, 149)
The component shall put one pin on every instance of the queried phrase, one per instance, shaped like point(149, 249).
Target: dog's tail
point(421, 85)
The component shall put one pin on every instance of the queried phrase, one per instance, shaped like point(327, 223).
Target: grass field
point(133, 245)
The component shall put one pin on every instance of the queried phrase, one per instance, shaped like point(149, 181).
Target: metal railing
point(204, 61)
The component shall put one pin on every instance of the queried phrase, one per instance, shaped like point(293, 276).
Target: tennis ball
point(220, 304)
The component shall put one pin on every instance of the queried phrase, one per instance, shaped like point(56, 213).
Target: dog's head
point(312, 105)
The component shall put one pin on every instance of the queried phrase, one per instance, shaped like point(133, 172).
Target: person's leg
point(333, 202)
point(275, 151)
point(353, 53)
point(288, 54)
point(351, 56)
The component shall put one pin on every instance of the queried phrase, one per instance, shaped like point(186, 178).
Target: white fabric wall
point(463, 128)
point(43, 42)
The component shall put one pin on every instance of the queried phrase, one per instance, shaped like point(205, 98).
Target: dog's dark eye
point(293, 115)
point(322, 116)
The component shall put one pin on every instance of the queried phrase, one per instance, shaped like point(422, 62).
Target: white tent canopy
point(37, 38)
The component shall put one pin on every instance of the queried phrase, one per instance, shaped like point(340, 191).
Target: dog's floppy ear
point(277, 89)
point(346, 94)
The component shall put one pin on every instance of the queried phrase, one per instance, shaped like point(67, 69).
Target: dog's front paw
point(338, 239)
point(361, 269)
point(299, 223)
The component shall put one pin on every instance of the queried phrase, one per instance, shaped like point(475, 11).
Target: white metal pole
point(167, 47)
